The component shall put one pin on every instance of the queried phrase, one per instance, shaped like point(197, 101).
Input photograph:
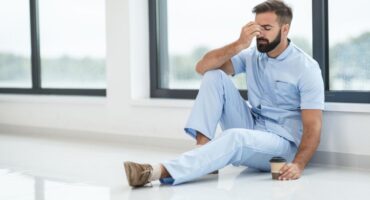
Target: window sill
point(148, 102)
point(180, 103)
point(157, 102)
point(347, 107)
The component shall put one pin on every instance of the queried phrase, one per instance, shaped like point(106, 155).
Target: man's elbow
point(199, 69)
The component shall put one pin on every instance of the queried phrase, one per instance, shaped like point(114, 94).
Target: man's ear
point(285, 30)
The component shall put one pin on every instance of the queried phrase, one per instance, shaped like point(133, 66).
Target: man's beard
point(268, 46)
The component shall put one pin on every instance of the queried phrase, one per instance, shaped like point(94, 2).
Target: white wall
point(127, 110)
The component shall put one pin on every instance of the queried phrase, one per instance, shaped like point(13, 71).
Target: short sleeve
point(239, 62)
point(311, 88)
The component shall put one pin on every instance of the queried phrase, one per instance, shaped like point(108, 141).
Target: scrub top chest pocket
point(287, 95)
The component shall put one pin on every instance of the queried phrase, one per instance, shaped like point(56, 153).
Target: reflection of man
point(282, 116)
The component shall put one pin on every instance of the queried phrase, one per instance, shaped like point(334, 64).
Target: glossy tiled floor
point(50, 169)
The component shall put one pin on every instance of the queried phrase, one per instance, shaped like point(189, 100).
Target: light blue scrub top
point(279, 88)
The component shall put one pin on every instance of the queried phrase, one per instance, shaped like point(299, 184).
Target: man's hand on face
point(249, 31)
point(290, 171)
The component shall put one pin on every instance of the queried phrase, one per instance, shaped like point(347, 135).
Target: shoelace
point(150, 173)
point(146, 171)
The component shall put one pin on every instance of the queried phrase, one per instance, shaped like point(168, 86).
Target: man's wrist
point(238, 46)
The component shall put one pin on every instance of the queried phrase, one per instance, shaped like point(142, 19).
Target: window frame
point(320, 22)
point(156, 41)
point(320, 47)
point(36, 66)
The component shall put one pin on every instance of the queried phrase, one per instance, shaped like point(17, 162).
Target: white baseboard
point(178, 145)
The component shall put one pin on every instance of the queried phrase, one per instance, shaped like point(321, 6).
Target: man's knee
point(213, 76)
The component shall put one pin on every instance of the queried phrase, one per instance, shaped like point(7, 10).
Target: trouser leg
point(218, 100)
point(246, 147)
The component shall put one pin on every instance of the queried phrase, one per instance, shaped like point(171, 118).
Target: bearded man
point(282, 117)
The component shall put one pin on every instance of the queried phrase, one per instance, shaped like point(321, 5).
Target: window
point(181, 33)
point(349, 42)
point(183, 40)
point(72, 45)
point(337, 48)
point(15, 48)
point(66, 52)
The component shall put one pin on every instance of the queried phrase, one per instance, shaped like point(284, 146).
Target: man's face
point(270, 32)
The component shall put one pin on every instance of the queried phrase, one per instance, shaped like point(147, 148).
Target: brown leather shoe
point(137, 174)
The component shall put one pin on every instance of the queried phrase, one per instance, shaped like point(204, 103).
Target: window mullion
point(35, 46)
point(320, 37)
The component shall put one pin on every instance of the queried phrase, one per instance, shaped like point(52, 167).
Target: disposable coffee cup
point(276, 164)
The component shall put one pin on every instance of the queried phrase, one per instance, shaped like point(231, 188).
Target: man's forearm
point(216, 58)
point(220, 58)
point(307, 148)
point(311, 120)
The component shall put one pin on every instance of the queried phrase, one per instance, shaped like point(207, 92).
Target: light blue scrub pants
point(244, 140)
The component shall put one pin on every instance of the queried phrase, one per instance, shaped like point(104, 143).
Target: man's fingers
point(249, 30)
point(255, 27)
point(284, 168)
point(295, 176)
point(284, 171)
point(254, 30)
point(250, 24)
point(254, 33)
point(290, 174)
point(287, 174)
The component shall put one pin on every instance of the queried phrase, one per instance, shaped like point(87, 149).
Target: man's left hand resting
point(312, 120)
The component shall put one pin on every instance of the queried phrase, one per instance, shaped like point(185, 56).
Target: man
point(282, 117)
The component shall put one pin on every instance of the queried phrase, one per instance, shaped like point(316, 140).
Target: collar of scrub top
point(283, 55)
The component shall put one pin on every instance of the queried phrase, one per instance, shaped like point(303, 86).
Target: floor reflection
point(242, 185)
point(20, 186)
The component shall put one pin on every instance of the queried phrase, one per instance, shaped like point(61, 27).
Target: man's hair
point(283, 11)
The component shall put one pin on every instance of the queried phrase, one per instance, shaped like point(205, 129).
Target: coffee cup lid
point(277, 159)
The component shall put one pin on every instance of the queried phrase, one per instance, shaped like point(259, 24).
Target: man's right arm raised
point(221, 58)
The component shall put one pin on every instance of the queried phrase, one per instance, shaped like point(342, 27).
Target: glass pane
point(349, 39)
point(190, 36)
point(72, 42)
point(15, 44)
